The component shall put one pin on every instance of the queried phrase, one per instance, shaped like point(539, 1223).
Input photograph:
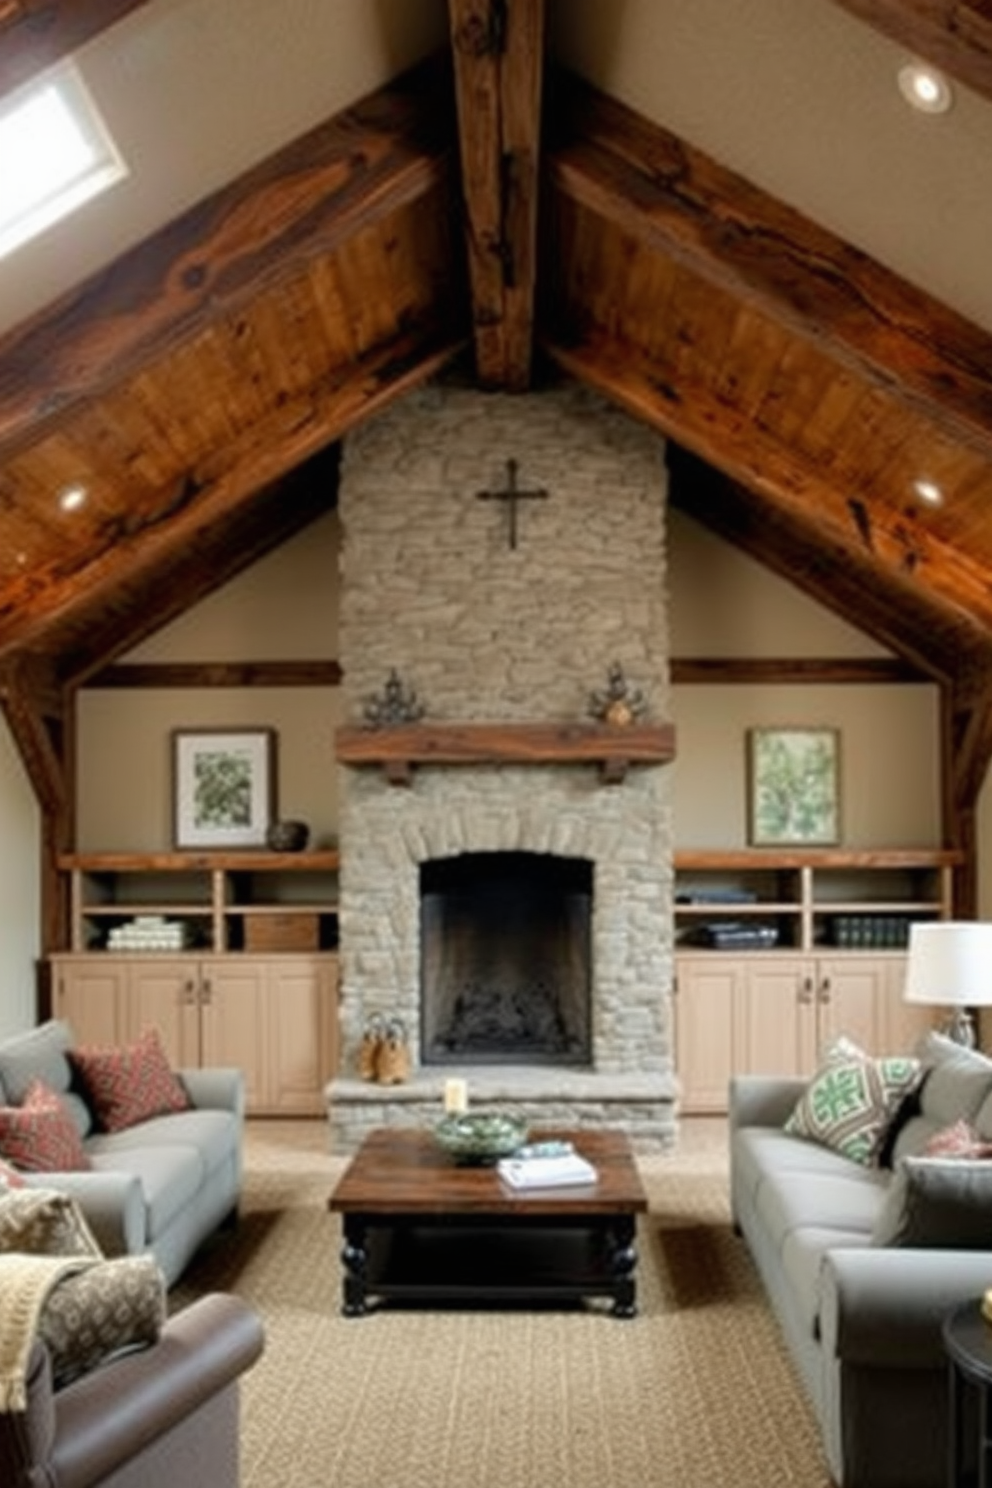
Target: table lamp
point(950, 965)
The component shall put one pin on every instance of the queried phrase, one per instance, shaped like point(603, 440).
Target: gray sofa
point(159, 1187)
point(861, 1263)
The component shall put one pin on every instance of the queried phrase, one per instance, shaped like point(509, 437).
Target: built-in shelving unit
point(765, 899)
point(230, 955)
point(222, 901)
point(778, 952)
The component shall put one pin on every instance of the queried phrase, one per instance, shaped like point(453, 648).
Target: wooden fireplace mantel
point(397, 748)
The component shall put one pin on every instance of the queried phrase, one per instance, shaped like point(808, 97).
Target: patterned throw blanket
point(25, 1283)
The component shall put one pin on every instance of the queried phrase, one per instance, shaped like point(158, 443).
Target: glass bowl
point(480, 1137)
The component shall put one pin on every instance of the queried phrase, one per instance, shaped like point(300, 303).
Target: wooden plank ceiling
point(198, 388)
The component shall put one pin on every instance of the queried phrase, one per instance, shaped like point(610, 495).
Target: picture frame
point(793, 786)
point(223, 786)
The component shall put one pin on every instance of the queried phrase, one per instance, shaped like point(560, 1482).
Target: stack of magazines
point(561, 1168)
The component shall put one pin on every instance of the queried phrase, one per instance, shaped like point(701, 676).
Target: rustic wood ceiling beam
point(25, 703)
point(35, 34)
point(387, 151)
point(675, 200)
point(498, 52)
point(189, 674)
point(731, 442)
point(292, 434)
point(949, 33)
point(970, 737)
point(763, 671)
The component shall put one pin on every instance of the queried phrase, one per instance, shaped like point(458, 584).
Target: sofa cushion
point(846, 1202)
point(40, 1135)
point(42, 1053)
point(851, 1100)
point(98, 1312)
point(130, 1083)
point(41, 1221)
point(211, 1135)
point(939, 1204)
point(170, 1177)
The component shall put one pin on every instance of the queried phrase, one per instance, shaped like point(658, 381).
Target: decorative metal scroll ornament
point(618, 703)
point(395, 704)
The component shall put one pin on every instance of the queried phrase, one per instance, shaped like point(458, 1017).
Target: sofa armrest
point(112, 1203)
point(885, 1306)
point(105, 1418)
point(216, 1088)
point(763, 1100)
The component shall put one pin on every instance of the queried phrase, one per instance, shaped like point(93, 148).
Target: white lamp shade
point(950, 963)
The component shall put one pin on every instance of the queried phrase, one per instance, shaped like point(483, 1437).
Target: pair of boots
point(384, 1056)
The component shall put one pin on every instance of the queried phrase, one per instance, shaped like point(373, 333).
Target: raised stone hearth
point(488, 633)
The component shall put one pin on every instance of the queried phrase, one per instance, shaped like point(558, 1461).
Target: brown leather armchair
point(155, 1418)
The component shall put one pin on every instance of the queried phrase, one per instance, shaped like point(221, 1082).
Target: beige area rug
point(695, 1392)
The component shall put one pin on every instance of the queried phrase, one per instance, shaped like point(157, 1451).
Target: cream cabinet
point(774, 1014)
point(780, 951)
point(275, 1017)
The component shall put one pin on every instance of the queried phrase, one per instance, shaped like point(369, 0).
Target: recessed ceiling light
point(924, 88)
point(72, 498)
point(928, 491)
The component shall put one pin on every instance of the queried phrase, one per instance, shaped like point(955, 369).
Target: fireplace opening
point(506, 959)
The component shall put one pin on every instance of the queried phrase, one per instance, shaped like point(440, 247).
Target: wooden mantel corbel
point(397, 748)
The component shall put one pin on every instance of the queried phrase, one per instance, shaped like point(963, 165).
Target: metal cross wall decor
point(512, 495)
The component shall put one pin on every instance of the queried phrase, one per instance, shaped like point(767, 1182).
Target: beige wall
point(282, 609)
point(722, 604)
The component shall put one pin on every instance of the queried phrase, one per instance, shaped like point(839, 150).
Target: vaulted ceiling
point(492, 214)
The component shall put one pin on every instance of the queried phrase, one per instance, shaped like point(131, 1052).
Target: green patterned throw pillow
point(851, 1100)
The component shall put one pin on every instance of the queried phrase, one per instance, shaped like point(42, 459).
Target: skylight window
point(55, 154)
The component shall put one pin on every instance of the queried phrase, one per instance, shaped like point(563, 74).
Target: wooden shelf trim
point(772, 858)
point(245, 860)
point(396, 749)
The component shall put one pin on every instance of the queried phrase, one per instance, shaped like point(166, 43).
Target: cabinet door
point(300, 999)
point(233, 1024)
point(90, 993)
point(776, 1015)
point(707, 995)
point(852, 995)
point(164, 994)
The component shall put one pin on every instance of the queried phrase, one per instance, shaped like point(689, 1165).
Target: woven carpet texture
point(695, 1392)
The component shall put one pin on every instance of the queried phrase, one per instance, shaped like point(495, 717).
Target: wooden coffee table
point(419, 1228)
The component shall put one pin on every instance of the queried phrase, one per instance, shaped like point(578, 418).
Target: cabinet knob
point(806, 990)
point(823, 994)
point(189, 991)
point(205, 990)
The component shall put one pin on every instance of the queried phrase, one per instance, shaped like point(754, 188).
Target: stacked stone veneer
point(485, 633)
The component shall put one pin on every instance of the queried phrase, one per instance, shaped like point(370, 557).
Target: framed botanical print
point(223, 786)
point(793, 786)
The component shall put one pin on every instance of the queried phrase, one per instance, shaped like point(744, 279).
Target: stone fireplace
point(513, 914)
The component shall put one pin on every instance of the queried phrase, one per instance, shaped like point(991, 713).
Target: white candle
point(455, 1097)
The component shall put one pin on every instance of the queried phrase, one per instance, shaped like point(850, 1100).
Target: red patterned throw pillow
point(131, 1083)
point(40, 1135)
